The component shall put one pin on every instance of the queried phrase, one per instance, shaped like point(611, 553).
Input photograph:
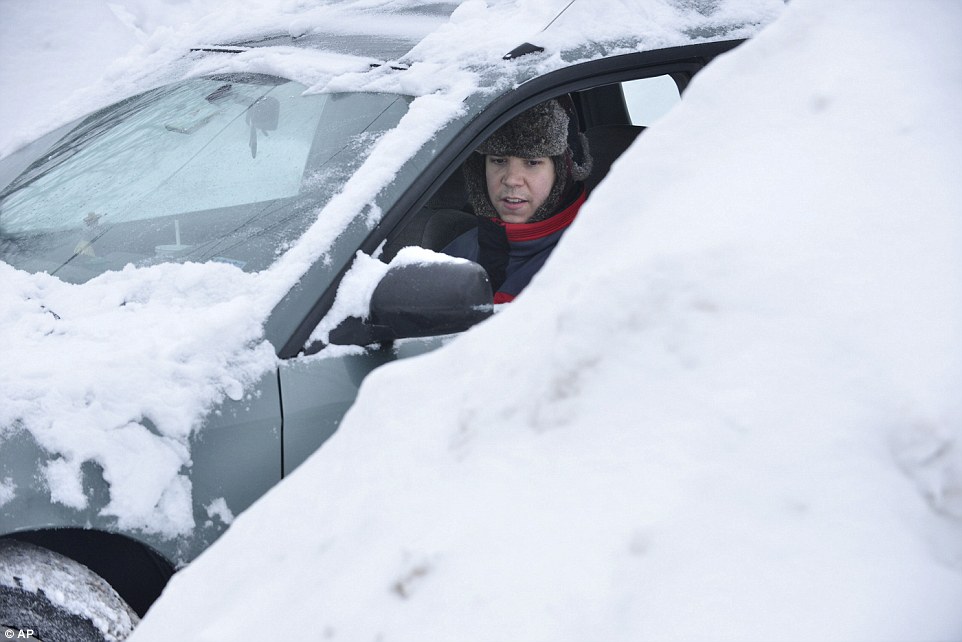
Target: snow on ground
point(727, 409)
point(125, 332)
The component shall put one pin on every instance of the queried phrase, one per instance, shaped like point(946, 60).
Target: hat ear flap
point(580, 160)
point(581, 170)
point(477, 187)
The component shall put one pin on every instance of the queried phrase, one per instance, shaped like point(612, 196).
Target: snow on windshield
point(80, 352)
point(737, 419)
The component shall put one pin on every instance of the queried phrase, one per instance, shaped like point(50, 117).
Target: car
point(229, 168)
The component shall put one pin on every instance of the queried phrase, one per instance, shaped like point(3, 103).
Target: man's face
point(518, 186)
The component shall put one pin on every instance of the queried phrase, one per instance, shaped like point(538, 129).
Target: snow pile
point(737, 418)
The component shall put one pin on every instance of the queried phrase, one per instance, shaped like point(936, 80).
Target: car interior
point(610, 126)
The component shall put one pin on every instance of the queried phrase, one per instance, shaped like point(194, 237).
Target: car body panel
point(316, 393)
point(235, 459)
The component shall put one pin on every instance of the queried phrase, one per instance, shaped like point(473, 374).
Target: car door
point(318, 390)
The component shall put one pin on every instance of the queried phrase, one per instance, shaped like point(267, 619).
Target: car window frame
point(291, 337)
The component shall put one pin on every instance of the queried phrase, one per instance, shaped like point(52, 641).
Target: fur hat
point(543, 130)
point(540, 131)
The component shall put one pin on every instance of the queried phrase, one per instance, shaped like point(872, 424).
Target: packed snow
point(744, 424)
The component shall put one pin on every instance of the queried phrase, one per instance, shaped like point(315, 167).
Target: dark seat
point(607, 143)
point(443, 219)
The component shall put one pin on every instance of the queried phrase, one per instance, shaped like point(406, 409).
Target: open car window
point(648, 99)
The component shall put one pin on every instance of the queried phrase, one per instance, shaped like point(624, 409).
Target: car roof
point(382, 35)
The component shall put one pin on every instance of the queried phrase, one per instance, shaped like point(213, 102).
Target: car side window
point(445, 215)
point(648, 99)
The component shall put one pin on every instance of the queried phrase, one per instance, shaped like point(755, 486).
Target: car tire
point(57, 598)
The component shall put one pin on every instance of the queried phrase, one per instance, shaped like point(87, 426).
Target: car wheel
point(58, 599)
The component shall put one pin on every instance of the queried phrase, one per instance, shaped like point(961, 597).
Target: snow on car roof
point(443, 37)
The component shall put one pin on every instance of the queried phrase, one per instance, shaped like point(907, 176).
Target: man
point(526, 188)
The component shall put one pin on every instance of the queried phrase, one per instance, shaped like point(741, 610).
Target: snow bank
point(737, 419)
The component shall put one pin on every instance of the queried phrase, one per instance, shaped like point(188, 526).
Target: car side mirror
point(421, 300)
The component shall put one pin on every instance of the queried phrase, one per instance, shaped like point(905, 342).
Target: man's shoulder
point(464, 246)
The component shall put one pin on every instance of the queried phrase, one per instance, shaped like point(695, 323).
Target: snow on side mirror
point(428, 299)
point(419, 294)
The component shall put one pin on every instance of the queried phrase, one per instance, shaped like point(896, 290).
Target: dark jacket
point(512, 253)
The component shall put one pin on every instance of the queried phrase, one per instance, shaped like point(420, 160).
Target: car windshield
point(227, 168)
